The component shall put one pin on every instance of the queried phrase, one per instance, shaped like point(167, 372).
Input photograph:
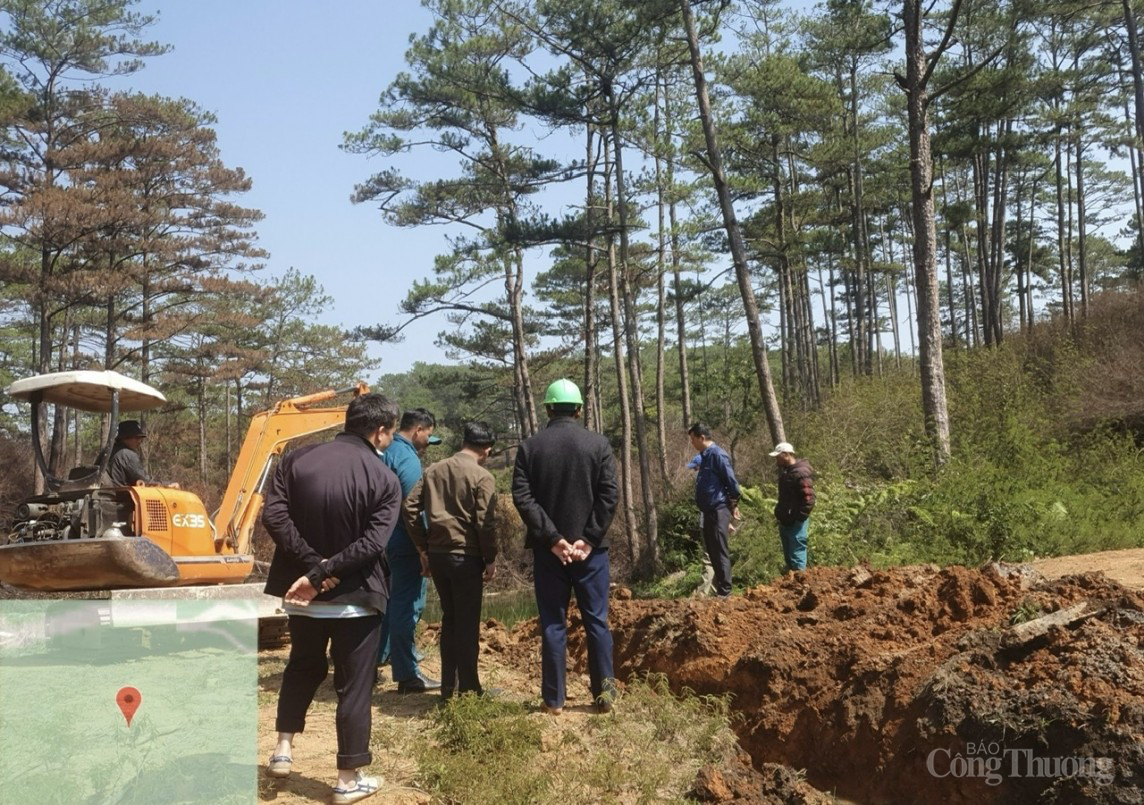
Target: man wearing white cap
point(796, 499)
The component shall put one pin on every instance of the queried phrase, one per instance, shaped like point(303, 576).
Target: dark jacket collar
point(346, 436)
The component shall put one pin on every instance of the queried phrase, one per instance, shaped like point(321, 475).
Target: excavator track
point(85, 564)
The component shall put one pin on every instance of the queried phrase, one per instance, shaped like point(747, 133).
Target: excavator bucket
point(87, 564)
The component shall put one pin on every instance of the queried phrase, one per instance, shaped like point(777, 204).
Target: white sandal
point(363, 787)
point(279, 766)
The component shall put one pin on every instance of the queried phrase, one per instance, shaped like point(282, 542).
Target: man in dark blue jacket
point(564, 486)
point(717, 496)
point(330, 509)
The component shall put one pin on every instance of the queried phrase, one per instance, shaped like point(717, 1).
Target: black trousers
point(459, 580)
point(715, 526)
point(353, 647)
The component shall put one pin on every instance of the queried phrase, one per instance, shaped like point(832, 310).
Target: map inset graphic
point(153, 702)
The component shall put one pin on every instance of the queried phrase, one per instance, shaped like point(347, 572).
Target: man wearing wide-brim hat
point(126, 465)
point(796, 499)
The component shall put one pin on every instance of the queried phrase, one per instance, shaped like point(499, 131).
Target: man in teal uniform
point(407, 586)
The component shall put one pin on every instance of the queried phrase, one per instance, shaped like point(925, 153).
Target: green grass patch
point(647, 750)
point(508, 607)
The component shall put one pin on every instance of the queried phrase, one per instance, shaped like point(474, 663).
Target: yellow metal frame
point(267, 436)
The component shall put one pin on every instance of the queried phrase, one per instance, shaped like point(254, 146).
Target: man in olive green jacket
point(451, 518)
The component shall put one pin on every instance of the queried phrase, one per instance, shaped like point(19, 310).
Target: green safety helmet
point(563, 392)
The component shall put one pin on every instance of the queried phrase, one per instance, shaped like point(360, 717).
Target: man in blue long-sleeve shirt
point(717, 496)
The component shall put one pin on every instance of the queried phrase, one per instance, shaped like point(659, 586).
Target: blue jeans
point(407, 589)
point(793, 537)
point(554, 583)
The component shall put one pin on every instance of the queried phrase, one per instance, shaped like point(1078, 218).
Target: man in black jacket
point(796, 499)
point(330, 510)
point(564, 486)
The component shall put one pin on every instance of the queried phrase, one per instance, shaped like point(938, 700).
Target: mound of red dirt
point(912, 684)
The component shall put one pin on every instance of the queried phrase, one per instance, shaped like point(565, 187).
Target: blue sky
point(285, 80)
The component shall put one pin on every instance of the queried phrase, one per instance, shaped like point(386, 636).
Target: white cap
point(783, 447)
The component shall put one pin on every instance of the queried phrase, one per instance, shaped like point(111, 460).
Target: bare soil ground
point(868, 684)
point(399, 722)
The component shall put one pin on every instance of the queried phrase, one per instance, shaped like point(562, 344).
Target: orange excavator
point(84, 536)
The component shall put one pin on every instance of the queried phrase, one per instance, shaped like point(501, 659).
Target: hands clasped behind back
point(568, 552)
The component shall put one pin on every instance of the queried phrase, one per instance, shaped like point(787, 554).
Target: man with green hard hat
point(564, 486)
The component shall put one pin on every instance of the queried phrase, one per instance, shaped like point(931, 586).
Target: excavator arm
point(267, 436)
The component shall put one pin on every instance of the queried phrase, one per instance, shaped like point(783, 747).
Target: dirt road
point(1125, 567)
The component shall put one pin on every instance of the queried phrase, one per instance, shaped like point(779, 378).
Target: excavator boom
point(268, 434)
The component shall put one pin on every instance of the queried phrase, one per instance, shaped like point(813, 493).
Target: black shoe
point(607, 697)
point(418, 684)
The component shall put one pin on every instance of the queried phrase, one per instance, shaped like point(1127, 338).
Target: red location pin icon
point(128, 700)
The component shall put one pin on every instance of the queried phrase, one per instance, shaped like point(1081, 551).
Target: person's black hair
point(478, 434)
point(701, 430)
point(369, 412)
point(561, 409)
point(417, 418)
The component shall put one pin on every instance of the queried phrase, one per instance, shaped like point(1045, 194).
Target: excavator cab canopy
point(102, 392)
point(94, 391)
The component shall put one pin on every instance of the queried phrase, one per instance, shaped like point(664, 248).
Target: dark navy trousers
point(554, 583)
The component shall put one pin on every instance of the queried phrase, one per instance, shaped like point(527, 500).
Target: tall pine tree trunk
point(934, 406)
point(661, 304)
point(948, 255)
point(1137, 151)
point(680, 316)
point(676, 270)
point(984, 264)
point(832, 317)
point(515, 283)
point(1081, 230)
point(731, 224)
point(649, 553)
point(592, 417)
point(628, 495)
point(862, 336)
point(997, 238)
point(514, 296)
